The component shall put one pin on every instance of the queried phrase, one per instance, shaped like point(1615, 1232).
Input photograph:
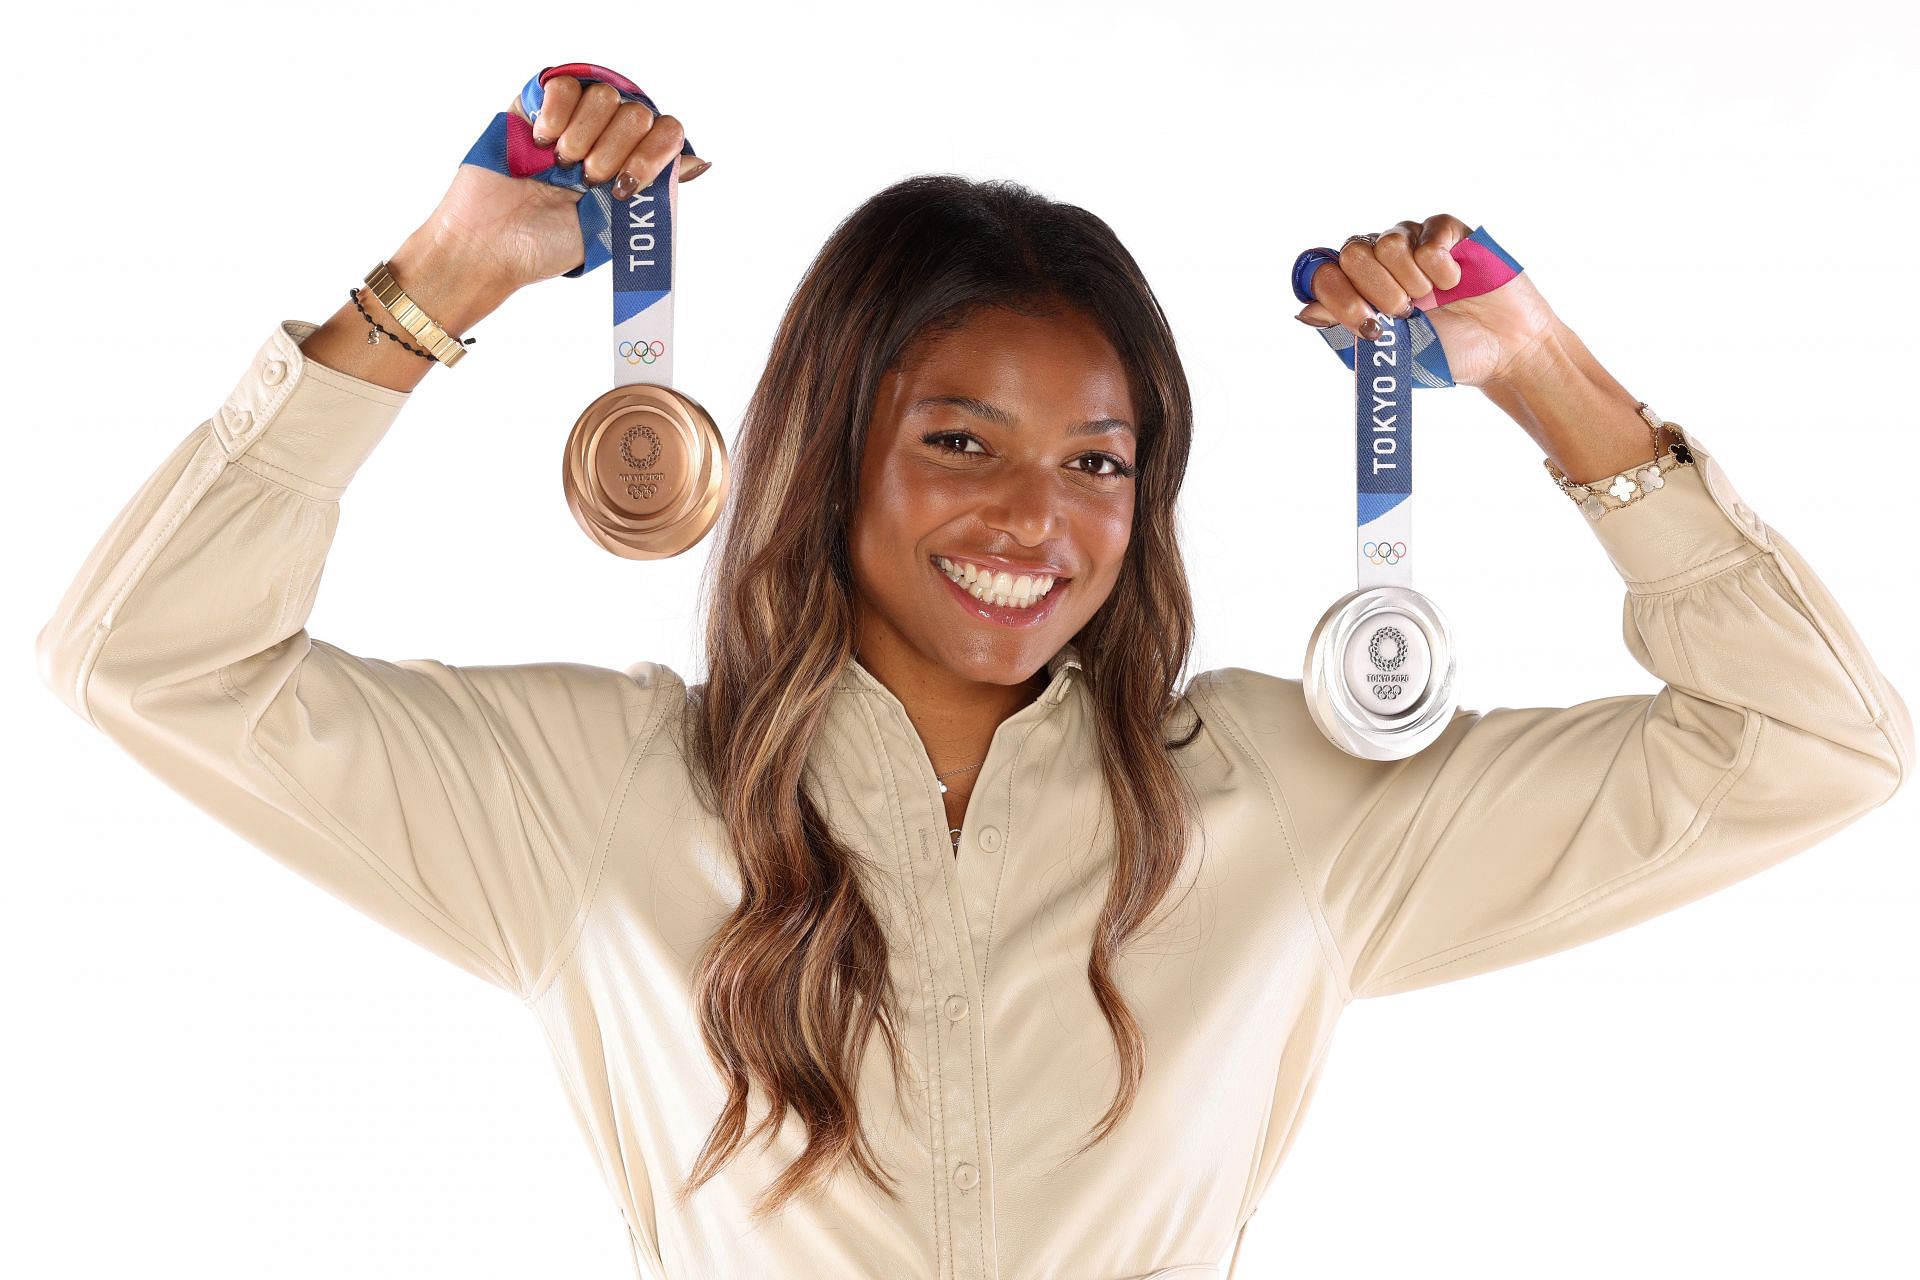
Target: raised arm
point(1523, 831)
point(459, 806)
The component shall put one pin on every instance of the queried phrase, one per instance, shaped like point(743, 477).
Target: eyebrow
point(994, 413)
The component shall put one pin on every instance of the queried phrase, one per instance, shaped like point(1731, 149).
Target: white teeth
point(1001, 589)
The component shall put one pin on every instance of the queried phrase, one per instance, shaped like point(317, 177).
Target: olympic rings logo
point(1384, 552)
point(642, 352)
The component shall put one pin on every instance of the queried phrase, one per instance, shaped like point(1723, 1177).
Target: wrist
point(1552, 362)
point(455, 286)
point(1576, 411)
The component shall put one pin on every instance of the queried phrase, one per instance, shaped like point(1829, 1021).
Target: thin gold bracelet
point(1610, 493)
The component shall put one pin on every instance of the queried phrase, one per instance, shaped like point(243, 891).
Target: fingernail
point(1370, 329)
point(543, 143)
point(623, 186)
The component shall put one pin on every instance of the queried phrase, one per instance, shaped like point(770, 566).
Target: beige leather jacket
point(534, 826)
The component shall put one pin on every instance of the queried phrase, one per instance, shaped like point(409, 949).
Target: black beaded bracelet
point(372, 337)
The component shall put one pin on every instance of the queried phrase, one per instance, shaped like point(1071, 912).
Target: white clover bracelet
point(1598, 497)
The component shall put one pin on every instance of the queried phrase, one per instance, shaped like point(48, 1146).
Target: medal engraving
point(1379, 674)
point(1389, 661)
point(645, 471)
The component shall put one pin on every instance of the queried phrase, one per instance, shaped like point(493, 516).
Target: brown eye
point(1121, 469)
point(936, 439)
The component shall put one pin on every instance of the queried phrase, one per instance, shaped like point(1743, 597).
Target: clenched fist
point(1486, 337)
point(519, 231)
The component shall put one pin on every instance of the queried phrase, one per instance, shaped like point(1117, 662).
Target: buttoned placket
point(953, 897)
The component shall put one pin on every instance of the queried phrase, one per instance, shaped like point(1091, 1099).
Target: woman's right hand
point(517, 230)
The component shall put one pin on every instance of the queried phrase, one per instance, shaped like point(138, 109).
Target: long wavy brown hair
point(792, 986)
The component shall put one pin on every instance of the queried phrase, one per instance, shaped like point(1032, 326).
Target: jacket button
point(956, 1007)
point(966, 1177)
point(989, 838)
point(275, 370)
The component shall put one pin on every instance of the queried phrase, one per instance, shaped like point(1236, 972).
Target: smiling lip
point(997, 564)
point(1018, 619)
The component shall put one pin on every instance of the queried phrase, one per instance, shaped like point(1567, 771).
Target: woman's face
point(1001, 443)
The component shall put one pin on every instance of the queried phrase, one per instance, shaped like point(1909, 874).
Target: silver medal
point(1380, 665)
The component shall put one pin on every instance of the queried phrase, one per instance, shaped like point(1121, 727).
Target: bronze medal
point(645, 470)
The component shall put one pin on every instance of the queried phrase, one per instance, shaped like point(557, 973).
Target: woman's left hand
point(1486, 338)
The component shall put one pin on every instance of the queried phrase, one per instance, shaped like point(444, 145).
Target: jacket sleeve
point(459, 806)
point(1524, 831)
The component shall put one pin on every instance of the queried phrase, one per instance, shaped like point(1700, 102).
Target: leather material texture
point(535, 826)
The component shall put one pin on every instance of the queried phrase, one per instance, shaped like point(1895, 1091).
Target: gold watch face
point(645, 471)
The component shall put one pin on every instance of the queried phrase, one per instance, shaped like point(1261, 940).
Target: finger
point(1337, 301)
point(590, 116)
point(1434, 253)
point(560, 96)
point(652, 154)
point(1375, 283)
point(1317, 315)
point(1394, 251)
point(616, 142)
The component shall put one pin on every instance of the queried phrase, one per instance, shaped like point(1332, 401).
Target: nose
point(1024, 508)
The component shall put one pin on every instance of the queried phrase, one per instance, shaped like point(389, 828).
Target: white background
point(215, 1069)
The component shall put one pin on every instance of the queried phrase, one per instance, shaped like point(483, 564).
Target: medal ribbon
point(1407, 354)
point(635, 235)
point(1383, 454)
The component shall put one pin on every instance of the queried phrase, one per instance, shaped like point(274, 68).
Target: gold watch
point(441, 345)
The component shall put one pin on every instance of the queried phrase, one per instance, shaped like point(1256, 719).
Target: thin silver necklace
point(949, 773)
point(954, 832)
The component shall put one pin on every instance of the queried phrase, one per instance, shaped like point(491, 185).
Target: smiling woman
point(1077, 1039)
point(982, 379)
point(1016, 498)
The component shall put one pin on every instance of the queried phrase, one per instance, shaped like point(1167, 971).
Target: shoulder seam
point(603, 839)
point(1751, 729)
point(1283, 818)
point(325, 821)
